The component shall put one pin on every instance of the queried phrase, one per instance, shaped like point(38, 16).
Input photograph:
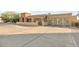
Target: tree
point(10, 16)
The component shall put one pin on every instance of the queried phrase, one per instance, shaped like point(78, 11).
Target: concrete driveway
point(40, 40)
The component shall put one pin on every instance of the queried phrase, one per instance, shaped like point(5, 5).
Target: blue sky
point(39, 6)
point(54, 12)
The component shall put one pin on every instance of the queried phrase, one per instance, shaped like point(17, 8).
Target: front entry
point(40, 22)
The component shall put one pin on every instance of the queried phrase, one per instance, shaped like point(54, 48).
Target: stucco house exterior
point(66, 19)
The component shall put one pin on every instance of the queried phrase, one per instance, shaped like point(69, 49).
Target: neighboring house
point(66, 19)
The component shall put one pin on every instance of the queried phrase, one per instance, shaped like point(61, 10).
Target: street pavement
point(40, 40)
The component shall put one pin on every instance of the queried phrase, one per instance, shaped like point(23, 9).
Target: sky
point(39, 6)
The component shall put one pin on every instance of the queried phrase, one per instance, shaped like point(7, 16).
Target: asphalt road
point(40, 40)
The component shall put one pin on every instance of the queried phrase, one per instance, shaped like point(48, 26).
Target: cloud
point(39, 5)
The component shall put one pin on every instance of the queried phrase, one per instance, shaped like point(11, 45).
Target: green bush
point(10, 16)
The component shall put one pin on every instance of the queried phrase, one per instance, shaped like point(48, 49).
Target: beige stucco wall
point(52, 19)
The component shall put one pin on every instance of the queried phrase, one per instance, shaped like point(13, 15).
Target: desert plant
point(10, 16)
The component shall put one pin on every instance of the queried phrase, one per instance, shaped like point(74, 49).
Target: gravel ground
point(9, 29)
